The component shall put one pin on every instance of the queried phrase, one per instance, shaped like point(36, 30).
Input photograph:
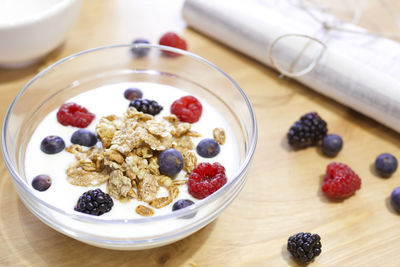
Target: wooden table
point(282, 195)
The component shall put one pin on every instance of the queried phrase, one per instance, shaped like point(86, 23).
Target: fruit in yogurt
point(385, 165)
point(84, 137)
point(205, 179)
point(187, 109)
point(304, 247)
point(340, 181)
point(74, 115)
point(41, 182)
point(182, 203)
point(170, 162)
point(146, 106)
point(208, 148)
point(133, 93)
point(94, 202)
point(140, 51)
point(173, 40)
point(52, 144)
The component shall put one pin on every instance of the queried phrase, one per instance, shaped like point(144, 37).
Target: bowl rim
point(37, 17)
point(89, 218)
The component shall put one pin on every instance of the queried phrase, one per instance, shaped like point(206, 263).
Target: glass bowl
point(114, 64)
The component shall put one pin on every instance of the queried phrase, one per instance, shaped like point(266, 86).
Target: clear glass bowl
point(113, 64)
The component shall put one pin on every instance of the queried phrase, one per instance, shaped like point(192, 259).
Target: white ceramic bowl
point(29, 29)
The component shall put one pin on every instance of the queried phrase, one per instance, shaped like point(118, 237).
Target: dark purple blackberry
point(146, 106)
point(304, 247)
point(307, 131)
point(94, 202)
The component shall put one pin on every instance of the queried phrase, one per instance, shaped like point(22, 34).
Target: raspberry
point(74, 115)
point(340, 181)
point(173, 40)
point(187, 109)
point(205, 179)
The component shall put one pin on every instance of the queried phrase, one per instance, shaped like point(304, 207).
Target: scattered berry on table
point(74, 115)
point(307, 131)
point(182, 203)
point(385, 165)
point(41, 182)
point(94, 202)
point(208, 148)
point(395, 199)
point(140, 51)
point(331, 145)
point(170, 162)
point(133, 93)
point(52, 144)
point(84, 137)
point(304, 247)
point(146, 106)
point(340, 181)
point(173, 40)
point(205, 179)
point(187, 109)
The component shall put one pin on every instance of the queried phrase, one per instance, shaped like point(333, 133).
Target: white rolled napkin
point(361, 71)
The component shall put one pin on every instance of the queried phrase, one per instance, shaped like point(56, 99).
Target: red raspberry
point(187, 109)
point(205, 179)
point(173, 40)
point(74, 115)
point(340, 181)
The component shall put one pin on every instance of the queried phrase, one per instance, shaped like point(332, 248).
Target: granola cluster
point(128, 160)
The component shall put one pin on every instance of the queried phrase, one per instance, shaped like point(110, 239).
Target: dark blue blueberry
point(52, 144)
point(41, 182)
point(140, 51)
point(385, 165)
point(84, 138)
point(133, 93)
point(395, 199)
point(170, 162)
point(331, 145)
point(182, 203)
point(208, 148)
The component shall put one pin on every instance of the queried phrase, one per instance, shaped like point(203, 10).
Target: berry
point(182, 203)
point(133, 93)
point(208, 148)
point(146, 106)
point(307, 131)
point(331, 145)
point(385, 165)
point(395, 199)
point(173, 40)
point(170, 162)
point(205, 179)
point(140, 51)
point(74, 115)
point(94, 202)
point(41, 182)
point(52, 144)
point(187, 109)
point(304, 247)
point(84, 138)
point(340, 181)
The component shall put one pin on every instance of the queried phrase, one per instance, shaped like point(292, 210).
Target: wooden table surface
point(282, 194)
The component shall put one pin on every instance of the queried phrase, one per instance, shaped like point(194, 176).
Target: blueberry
point(208, 148)
point(84, 138)
point(52, 144)
point(133, 93)
point(395, 199)
point(41, 182)
point(182, 203)
point(385, 165)
point(170, 162)
point(140, 51)
point(331, 145)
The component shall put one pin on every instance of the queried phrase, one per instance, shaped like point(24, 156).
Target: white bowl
point(29, 29)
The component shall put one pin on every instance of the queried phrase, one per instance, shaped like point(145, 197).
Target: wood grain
point(282, 194)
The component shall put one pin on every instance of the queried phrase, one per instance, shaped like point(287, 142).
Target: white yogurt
point(15, 10)
point(107, 100)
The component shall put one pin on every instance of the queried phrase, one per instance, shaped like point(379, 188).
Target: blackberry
point(94, 202)
point(307, 131)
point(304, 247)
point(146, 106)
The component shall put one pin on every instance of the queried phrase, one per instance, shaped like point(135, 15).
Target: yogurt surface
point(107, 100)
